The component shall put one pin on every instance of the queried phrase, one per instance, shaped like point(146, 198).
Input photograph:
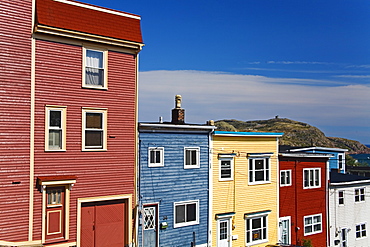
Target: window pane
point(180, 213)
point(256, 223)
point(193, 157)
point(282, 178)
point(225, 169)
point(191, 212)
point(259, 176)
point(55, 139)
point(287, 177)
point(157, 156)
point(259, 164)
point(308, 229)
point(55, 119)
point(94, 138)
point(94, 76)
point(94, 59)
point(306, 178)
point(317, 177)
point(94, 120)
point(311, 178)
point(152, 156)
point(223, 230)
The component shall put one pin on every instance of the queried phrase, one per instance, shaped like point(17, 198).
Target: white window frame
point(63, 128)
point(186, 223)
point(312, 224)
point(229, 158)
point(248, 219)
point(341, 198)
point(361, 230)
point(341, 162)
point(360, 196)
point(105, 68)
point(252, 172)
point(285, 183)
point(104, 113)
point(312, 177)
point(161, 155)
point(197, 150)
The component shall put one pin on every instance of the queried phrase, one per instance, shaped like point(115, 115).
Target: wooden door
point(55, 213)
point(104, 224)
point(150, 237)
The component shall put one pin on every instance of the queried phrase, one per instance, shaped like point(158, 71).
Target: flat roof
point(340, 179)
point(263, 134)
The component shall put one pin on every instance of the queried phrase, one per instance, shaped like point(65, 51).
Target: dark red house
point(303, 198)
point(68, 123)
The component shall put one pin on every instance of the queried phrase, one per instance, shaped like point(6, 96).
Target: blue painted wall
point(333, 161)
point(172, 183)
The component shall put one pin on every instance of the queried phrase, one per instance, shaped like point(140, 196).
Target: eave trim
point(39, 28)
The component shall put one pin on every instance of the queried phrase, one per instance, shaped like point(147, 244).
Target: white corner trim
point(98, 9)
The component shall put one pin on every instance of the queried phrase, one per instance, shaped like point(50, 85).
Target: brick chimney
point(178, 114)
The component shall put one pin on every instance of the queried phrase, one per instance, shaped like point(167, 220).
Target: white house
point(349, 204)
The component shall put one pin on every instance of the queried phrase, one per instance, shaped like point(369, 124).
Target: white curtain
point(94, 67)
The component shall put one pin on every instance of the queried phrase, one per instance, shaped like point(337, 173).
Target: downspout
point(296, 202)
point(210, 188)
point(327, 177)
point(32, 125)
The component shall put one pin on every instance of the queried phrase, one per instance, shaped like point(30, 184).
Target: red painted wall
point(58, 82)
point(15, 78)
point(298, 202)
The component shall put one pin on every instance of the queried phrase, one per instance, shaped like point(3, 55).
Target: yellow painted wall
point(239, 197)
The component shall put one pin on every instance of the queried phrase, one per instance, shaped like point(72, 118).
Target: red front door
point(104, 224)
point(55, 213)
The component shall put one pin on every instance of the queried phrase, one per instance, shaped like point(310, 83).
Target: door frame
point(289, 218)
point(229, 231)
point(128, 226)
point(156, 205)
point(55, 181)
point(341, 239)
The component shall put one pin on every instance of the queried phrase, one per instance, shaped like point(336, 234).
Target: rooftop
point(336, 177)
point(72, 16)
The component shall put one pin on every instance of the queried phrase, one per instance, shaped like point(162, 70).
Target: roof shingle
point(89, 19)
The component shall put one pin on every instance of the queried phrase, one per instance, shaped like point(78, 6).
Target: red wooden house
point(68, 123)
point(303, 198)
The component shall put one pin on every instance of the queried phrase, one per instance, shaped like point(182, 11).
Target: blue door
point(150, 234)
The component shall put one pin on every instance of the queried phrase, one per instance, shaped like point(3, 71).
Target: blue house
point(173, 182)
point(337, 162)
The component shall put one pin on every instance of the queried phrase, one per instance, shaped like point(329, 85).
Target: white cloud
point(218, 95)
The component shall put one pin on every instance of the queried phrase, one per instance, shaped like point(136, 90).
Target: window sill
point(259, 183)
point(55, 150)
point(92, 87)
point(308, 188)
point(257, 242)
point(225, 179)
point(186, 224)
point(94, 150)
point(312, 233)
point(162, 165)
point(191, 167)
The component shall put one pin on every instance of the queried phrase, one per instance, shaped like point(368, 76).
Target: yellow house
point(244, 203)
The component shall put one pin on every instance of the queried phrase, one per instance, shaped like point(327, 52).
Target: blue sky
point(306, 60)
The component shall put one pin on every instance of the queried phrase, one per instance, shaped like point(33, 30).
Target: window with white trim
point(285, 178)
point(94, 129)
point(312, 224)
point(55, 125)
point(256, 229)
point(95, 69)
point(226, 167)
point(186, 213)
point(155, 156)
point(341, 197)
point(311, 177)
point(361, 230)
point(341, 161)
point(259, 170)
point(191, 157)
point(360, 195)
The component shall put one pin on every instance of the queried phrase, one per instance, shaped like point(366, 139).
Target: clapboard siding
point(15, 77)
point(59, 82)
point(297, 202)
point(237, 195)
point(172, 183)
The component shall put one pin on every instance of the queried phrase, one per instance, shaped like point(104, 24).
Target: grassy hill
point(296, 134)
